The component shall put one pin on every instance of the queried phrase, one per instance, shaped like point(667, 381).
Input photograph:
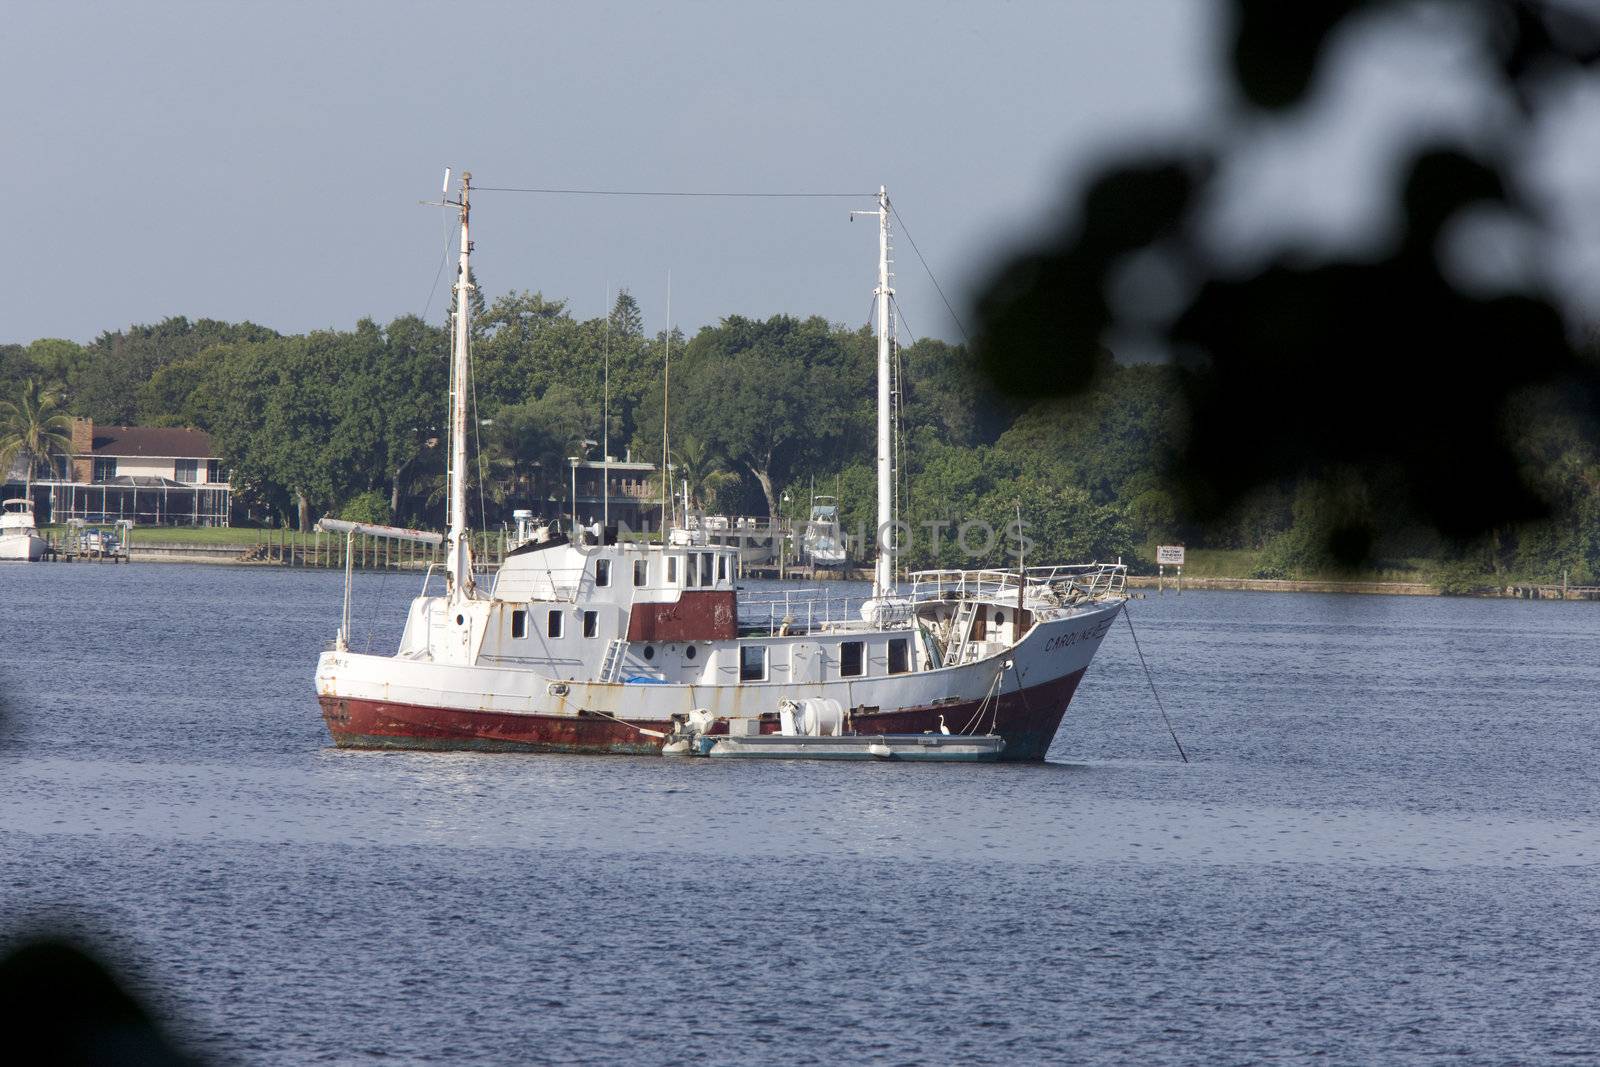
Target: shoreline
point(235, 555)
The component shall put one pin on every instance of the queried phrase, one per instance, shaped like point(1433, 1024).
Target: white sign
point(1170, 555)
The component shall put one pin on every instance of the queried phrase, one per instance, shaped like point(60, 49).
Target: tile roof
point(155, 441)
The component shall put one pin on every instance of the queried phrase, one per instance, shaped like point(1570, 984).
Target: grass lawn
point(1241, 563)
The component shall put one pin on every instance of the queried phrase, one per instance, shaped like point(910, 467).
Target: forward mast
point(459, 543)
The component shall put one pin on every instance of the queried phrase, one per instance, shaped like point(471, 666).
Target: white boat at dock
point(822, 543)
point(19, 535)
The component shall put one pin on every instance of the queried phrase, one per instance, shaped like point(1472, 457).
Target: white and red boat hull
point(389, 702)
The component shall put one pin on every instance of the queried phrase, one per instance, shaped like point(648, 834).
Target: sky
point(269, 161)
point(266, 161)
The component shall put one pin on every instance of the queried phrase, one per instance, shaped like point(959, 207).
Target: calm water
point(1384, 851)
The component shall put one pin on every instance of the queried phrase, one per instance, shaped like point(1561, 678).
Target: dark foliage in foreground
point(1385, 372)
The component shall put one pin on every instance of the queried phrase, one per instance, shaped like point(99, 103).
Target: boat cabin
point(670, 614)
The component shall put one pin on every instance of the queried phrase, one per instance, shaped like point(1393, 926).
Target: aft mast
point(459, 555)
point(883, 573)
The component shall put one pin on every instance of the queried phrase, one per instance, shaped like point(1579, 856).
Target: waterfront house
point(152, 475)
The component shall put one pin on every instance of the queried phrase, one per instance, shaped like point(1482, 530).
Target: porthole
point(649, 651)
point(461, 620)
point(689, 652)
point(999, 618)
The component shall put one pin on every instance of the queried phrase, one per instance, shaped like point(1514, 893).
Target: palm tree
point(693, 461)
point(35, 426)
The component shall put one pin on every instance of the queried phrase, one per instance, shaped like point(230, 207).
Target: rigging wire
point(902, 474)
point(477, 443)
point(372, 616)
point(937, 287)
point(444, 257)
point(1129, 620)
point(666, 192)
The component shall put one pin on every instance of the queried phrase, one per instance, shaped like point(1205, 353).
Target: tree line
point(352, 422)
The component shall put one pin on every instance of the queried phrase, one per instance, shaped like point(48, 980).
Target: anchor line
point(977, 716)
point(1149, 678)
point(631, 725)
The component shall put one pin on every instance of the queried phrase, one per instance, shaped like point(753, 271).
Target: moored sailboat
point(588, 643)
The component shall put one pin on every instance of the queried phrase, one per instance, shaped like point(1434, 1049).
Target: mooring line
point(1147, 677)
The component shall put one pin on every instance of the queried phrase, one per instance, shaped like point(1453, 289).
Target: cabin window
point(602, 572)
point(641, 572)
point(722, 568)
point(690, 571)
point(672, 570)
point(591, 623)
point(899, 660)
point(519, 623)
point(753, 663)
point(851, 658)
point(705, 569)
point(553, 626)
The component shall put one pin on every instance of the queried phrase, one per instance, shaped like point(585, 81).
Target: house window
point(591, 623)
point(188, 470)
point(753, 663)
point(641, 572)
point(553, 626)
point(105, 468)
point(213, 470)
point(722, 568)
point(672, 570)
point(602, 572)
point(851, 658)
point(899, 661)
point(519, 623)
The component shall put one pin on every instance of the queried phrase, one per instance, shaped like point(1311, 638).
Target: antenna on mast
point(444, 190)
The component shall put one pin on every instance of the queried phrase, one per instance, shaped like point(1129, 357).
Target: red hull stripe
point(1026, 718)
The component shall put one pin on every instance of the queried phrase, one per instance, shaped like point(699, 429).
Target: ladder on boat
point(611, 667)
point(961, 633)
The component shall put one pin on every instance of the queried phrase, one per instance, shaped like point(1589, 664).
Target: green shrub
point(371, 506)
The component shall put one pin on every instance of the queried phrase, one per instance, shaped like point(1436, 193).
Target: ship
point(586, 642)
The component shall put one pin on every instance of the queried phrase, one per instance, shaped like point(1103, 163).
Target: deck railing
point(1061, 584)
point(796, 611)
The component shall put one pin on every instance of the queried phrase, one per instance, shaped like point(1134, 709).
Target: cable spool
point(811, 717)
